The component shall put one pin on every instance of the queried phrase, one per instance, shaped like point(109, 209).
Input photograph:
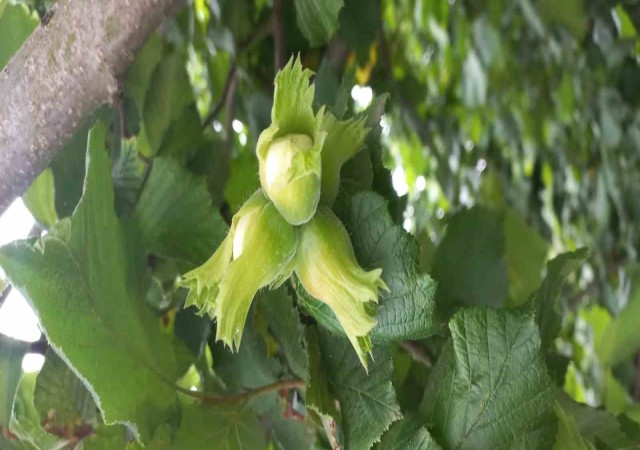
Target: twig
point(416, 352)
point(262, 31)
point(230, 105)
point(636, 389)
point(4, 294)
point(41, 346)
point(278, 35)
point(122, 115)
point(224, 98)
point(245, 396)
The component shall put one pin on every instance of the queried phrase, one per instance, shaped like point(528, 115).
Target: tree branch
point(278, 35)
point(417, 352)
point(224, 97)
point(65, 70)
point(245, 396)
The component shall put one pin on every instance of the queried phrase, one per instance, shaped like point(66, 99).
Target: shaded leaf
point(408, 310)
point(469, 264)
point(621, 339)
point(367, 400)
point(526, 253)
point(408, 434)
point(318, 19)
point(105, 438)
point(284, 323)
point(489, 388)
point(230, 427)
point(60, 397)
point(548, 313)
point(597, 426)
point(175, 216)
point(11, 354)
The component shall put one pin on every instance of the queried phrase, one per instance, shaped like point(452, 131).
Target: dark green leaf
point(367, 400)
point(408, 434)
point(231, 427)
point(470, 265)
point(548, 313)
point(408, 310)
point(284, 323)
point(490, 388)
point(359, 25)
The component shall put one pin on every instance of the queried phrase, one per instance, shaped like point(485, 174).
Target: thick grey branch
point(61, 75)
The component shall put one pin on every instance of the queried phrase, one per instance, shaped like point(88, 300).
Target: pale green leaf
point(408, 434)
point(367, 400)
point(490, 388)
point(16, 24)
point(318, 19)
point(25, 423)
point(344, 139)
point(60, 397)
point(175, 216)
point(11, 354)
point(84, 293)
point(292, 111)
point(626, 28)
point(40, 199)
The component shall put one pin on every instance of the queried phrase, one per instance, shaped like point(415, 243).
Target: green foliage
point(491, 376)
point(477, 158)
point(78, 285)
point(11, 354)
point(175, 216)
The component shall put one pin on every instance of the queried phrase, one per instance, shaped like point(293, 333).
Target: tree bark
point(67, 68)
